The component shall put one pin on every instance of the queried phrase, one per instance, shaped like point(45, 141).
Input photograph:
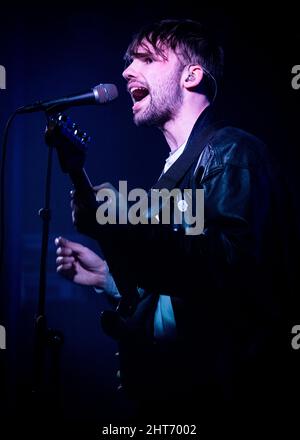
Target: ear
point(193, 76)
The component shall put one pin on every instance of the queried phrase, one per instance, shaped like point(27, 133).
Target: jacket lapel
point(200, 135)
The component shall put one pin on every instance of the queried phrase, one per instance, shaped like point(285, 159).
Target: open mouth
point(139, 93)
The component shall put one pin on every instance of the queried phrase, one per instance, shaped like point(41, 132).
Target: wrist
point(109, 284)
point(108, 287)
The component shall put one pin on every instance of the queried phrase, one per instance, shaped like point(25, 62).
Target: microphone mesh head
point(105, 93)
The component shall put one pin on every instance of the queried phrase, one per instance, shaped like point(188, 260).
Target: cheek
point(157, 86)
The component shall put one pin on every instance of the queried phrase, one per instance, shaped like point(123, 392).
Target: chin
point(149, 121)
point(141, 120)
point(138, 121)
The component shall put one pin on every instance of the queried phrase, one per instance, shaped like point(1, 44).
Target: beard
point(165, 100)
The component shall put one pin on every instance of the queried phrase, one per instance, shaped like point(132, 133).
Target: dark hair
point(191, 40)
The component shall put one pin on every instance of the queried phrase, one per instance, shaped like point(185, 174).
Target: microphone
point(100, 94)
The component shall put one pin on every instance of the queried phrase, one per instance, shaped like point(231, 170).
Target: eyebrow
point(140, 55)
point(142, 51)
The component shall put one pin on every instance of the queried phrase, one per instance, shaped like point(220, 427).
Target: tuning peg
point(62, 117)
point(79, 134)
point(85, 138)
point(74, 128)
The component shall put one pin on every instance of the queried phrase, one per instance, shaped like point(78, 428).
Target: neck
point(177, 130)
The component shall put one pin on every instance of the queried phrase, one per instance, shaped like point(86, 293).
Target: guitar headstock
point(69, 140)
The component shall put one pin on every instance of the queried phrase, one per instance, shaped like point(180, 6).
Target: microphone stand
point(46, 340)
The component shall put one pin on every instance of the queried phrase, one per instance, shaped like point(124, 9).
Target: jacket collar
point(201, 133)
point(204, 119)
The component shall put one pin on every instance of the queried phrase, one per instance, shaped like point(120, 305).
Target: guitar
point(71, 144)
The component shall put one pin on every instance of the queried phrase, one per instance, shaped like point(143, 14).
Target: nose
point(129, 72)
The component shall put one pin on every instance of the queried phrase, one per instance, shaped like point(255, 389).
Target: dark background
point(51, 50)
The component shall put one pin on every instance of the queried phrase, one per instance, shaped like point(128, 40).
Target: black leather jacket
point(240, 244)
point(224, 283)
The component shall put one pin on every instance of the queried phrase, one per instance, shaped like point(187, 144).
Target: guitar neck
point(83, 187)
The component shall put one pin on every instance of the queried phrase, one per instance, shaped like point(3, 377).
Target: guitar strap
point(195, 146)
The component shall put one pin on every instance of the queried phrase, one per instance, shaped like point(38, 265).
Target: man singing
point(204, 336)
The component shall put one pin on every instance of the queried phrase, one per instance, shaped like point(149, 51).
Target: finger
point(64, 251)
point(67, 272)
point(69, 247)
point(64, 260)
point(65, 244)
point(59, 241)
point(64, 268)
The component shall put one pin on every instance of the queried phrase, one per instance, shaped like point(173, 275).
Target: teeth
point(138, 96)
point(136, 88)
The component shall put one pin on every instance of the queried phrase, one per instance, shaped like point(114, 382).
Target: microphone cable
point(2, 185)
